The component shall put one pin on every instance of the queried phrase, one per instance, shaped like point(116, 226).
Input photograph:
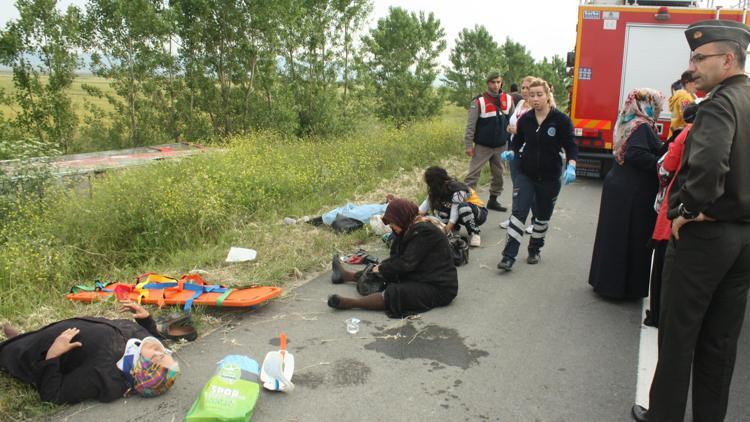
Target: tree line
point(210, 69)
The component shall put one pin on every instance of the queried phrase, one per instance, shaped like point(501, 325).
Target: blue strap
point(100, 286)
point(197, 288)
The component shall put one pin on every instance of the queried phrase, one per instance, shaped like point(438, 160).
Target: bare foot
point(9, 331)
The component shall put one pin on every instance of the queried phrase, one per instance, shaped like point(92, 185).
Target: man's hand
point(680, 221)
point(62, 343)
point(470, 152)
point(137, 310)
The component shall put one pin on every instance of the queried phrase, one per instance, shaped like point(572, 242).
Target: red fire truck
point(623, 45)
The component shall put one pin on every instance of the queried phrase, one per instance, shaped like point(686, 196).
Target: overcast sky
point(545, 27)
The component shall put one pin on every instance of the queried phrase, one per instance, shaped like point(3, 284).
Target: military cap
point(494, 74)
point(704, 32)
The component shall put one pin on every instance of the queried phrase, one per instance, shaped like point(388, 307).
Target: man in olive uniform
point(707, 266)
point(486, 136)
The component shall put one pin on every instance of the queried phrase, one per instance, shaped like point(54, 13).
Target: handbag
point(370, 282)
point(459, 250)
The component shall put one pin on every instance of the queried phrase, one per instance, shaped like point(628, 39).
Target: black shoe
point(533, 258)
point(336, 276)
point(639, 413)
point(333, 301)
point(505, 263)
point(494, 205)
point(650, 321)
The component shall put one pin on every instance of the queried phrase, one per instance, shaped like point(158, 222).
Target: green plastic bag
point(231, 394)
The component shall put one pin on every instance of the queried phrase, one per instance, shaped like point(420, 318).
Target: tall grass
point(141, 218)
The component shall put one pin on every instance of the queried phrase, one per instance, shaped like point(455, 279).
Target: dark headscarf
point(402, 213)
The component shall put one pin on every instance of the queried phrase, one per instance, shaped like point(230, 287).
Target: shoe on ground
point(504, 224)
point(336, 276)
point(334, 301)
point(530, 229)
point(475, 241)
point(494, 205)
point(505, 264)
point(533, 258)
point(640, 414)
point(650, 321)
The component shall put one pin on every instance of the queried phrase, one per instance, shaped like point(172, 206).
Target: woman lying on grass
point(86, 358)
point(419, 273)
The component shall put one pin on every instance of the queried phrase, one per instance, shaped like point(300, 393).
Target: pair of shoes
point(475, 241)
point(533, 258)
point(504, 224)
point(650, 321)
point(530, 229)
point(334, 301)
point(505, 264)
point(494, 205)
point(177, 327)
point(336, 276)
point(640, 414)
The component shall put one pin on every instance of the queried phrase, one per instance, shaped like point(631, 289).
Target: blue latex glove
point(570, 174)
point(507, 155)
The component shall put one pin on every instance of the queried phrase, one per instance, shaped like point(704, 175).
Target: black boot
point(492, 204)
point(505, 264)
point(336, 276)
point(533, 257)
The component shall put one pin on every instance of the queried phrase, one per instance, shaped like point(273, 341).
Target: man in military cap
point(486, 136)
point(707, 265)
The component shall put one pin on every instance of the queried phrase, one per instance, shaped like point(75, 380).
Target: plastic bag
point(231, 394)
point(376, 223)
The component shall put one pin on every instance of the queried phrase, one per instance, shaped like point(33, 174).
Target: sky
point(545, 27)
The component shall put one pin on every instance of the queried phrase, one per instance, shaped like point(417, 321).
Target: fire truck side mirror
point(571, 59)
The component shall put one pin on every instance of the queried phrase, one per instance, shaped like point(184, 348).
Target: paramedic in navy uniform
point(707, 266)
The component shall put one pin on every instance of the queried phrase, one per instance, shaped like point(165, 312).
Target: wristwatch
point(682, 211)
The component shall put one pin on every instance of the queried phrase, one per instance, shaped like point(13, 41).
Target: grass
point(77, 94)
point(176, 217)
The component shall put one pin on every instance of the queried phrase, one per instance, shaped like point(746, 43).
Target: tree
point(400, 64)
point(553, 71)
point(474, 54)
point(518, 61)
point(41, 48)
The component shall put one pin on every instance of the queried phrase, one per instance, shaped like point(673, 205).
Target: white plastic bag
point(376, 223)
point(241, 254)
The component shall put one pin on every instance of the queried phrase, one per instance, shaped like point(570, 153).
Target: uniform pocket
point(705, 230)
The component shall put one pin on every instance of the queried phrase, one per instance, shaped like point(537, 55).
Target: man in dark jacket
point(707, 265)
point(88, 358)
point(486, 136)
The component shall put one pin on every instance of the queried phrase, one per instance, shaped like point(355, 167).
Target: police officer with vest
point(486, 136)
point(707, 265)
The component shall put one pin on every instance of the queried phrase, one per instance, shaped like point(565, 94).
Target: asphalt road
point(534, 344)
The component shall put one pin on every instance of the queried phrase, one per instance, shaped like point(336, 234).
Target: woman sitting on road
point(454, 203)
point(420, 274)
point(543, 134)
point(89, 358)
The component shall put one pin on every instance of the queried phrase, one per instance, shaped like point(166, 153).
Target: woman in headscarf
point(89, 358)
point(419, 273)
point(621, 261)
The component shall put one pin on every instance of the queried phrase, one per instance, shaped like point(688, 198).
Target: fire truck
point(623, 45)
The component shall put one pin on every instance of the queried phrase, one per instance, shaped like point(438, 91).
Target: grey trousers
point(482, 154)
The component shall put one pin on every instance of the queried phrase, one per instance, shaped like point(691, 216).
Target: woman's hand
point(375, 269)
point(62, 343)
point(511, 129)
point(137, 310)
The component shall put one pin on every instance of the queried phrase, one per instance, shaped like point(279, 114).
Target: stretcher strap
point(220, 299)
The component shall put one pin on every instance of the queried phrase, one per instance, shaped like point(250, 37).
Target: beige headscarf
point(642, 106)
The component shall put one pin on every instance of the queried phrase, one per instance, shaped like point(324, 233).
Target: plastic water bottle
point(352, 325)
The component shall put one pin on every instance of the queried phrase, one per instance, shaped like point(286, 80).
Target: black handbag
point(370, 282)
point(459, 250)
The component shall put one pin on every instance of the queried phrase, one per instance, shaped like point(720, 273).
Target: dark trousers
point(703, 298)
point(528, 194)
point(657, 268)
point(469, 216)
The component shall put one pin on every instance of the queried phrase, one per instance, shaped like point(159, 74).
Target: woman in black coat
point(419, 274)
point(621, 261)
point(77, 359)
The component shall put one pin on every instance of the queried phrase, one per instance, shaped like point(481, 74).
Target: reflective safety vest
point(492, 124)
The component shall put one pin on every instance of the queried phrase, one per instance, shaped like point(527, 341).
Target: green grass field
point(77, 94)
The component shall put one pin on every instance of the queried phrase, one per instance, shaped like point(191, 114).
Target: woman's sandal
point(177, 328)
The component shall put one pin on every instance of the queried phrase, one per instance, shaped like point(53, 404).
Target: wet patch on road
point(309, 379)
point(432, 342)
point(341, 373)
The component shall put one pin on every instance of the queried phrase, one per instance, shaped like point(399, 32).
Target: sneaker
point(504, 224)
point(505, 264)
point(494, 205)
point(530, 229)
point(533, 258)
point(475, 241)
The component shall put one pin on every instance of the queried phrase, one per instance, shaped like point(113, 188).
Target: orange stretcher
point(189, 290)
